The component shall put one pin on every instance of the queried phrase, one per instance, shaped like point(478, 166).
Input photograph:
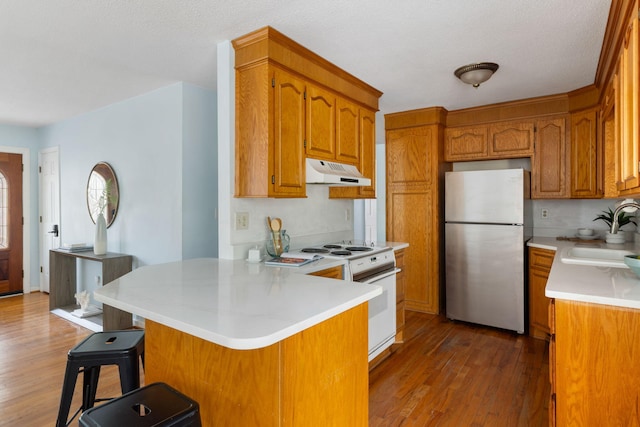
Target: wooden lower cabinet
point(400, 297)
point(331, 273)
point(317, 377)
point(540, 261)
point(595, 369)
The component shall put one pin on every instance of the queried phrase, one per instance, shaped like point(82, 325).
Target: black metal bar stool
point(120, 348)
point(155, 405)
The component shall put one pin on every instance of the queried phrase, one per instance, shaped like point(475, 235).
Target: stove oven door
point(382, 312)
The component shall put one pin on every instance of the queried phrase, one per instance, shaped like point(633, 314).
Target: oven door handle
point(379, 277)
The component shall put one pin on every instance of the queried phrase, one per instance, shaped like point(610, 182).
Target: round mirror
point(103, 193)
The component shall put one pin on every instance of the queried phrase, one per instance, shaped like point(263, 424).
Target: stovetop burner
point(340, 252)
point(358, 248)
point(332, 246)
point(315, 250)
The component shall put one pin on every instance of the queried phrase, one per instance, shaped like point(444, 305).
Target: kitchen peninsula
point(253, 345)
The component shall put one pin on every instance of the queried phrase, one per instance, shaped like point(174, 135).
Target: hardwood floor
point(446, 373)
point(456, 374)
point(33, 356)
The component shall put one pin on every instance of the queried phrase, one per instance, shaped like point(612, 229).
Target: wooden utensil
point(276, 223)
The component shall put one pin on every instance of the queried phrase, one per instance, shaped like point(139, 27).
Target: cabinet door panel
point(410, 219)
point(408, 156)
point(549, 161)
point(466, 143)
point(347, 133)
point(628, 156)
point(321, 123)
point(584, 155)
point(511, 139)
point(288, 147)
point(367, 164)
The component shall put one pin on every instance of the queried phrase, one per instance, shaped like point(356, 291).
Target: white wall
point(199, 174)
point(308, 221)
point(157, 147)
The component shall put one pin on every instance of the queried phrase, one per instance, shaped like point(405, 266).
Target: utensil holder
point(278, 243)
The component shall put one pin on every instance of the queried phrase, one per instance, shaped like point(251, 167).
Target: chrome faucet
point(614, 224)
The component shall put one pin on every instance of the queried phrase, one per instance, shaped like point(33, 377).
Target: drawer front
point(541, 258)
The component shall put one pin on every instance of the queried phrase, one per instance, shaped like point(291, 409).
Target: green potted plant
point(624, 218)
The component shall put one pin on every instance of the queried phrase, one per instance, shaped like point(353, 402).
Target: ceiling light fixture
point(474, 74)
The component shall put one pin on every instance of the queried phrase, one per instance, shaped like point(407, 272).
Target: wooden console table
point(62, 282)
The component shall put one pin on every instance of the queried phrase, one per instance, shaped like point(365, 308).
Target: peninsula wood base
point(316, 377)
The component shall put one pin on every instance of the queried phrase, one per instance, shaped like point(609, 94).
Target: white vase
point(100, 238)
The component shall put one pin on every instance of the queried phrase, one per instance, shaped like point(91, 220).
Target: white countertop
point(600, 285)
point(234, 303)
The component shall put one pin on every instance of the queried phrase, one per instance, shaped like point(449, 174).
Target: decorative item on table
point(633, 262)
point(624, 218)
point(75, 247)
point(278, 241)
point(86, 309)
point(102, 202)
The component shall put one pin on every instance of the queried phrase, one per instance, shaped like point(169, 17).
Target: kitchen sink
point(602, 257)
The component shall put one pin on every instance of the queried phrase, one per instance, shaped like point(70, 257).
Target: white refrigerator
point(487, 225)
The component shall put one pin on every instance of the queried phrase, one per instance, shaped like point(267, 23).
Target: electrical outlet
point(544, 213)
point(242, 220)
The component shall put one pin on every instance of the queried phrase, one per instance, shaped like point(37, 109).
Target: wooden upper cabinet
point(288, 178)
point(489, 141)
point(269, 133)
point(586, 156)
point(627, 113)
point(367, 163)
point(292, 104)
point(548, 173)
point(321, 124)
point(409, 157)
point(466, 143)
point(347, 133)
point(609, 137)
point(511, 139)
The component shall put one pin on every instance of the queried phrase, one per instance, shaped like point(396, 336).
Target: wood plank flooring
point(33, 356)
point(456, 374)
point(446, 373)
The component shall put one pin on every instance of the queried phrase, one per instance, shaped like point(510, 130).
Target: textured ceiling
point(61, 58)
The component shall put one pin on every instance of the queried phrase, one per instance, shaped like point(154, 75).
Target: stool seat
point(121, 348)
point(156, 405)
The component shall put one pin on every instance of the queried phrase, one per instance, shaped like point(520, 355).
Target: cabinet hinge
point(39, 169)
point(40, 218)
point(305, 94)
point(305, 144)
point(41, 269)
point(273, 82)
point(273, 179)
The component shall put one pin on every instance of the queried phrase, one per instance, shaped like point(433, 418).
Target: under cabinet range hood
point(332, 173)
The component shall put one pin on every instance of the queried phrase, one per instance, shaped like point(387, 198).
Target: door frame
point(26, 213)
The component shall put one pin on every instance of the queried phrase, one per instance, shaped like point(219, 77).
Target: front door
point(10, 223)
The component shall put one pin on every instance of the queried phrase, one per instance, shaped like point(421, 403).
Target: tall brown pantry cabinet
point(415, 170)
